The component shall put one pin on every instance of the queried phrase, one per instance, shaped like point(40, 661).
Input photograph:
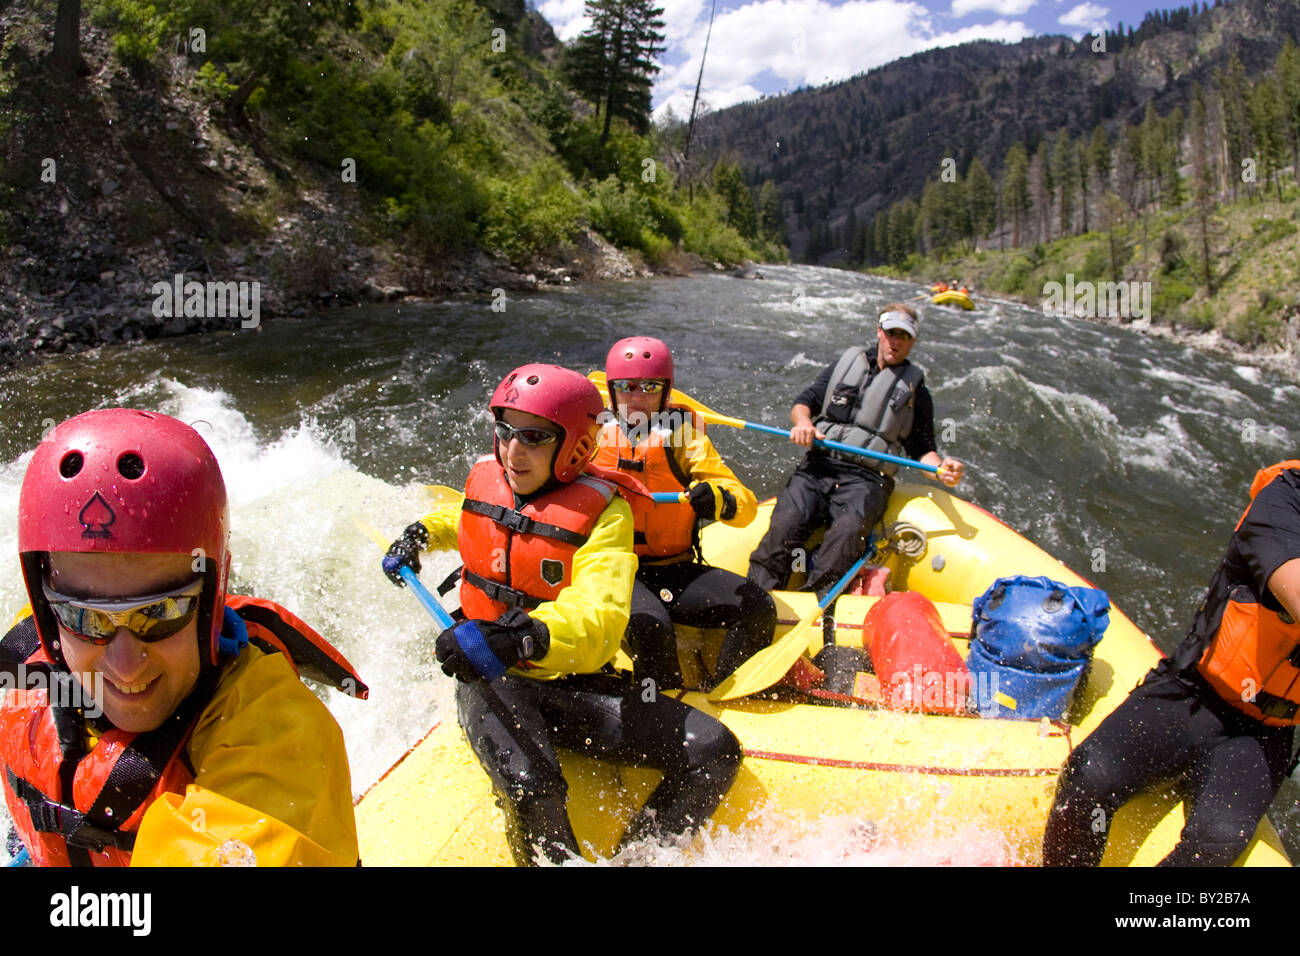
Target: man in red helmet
point(872, 398)
point(545, 589)
point(665, 446)
point(200, 746)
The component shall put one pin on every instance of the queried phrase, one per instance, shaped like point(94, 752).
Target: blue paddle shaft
point(424, 597)
point(667, 497)
point(843, 582)
point(851, 449)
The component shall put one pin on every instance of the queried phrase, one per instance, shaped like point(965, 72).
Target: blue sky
point(773, 46)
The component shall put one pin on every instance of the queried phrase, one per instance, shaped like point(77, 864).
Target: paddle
point(716, 418)
point(772, 663)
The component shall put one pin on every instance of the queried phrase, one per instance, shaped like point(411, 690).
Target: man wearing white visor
point(872, 398)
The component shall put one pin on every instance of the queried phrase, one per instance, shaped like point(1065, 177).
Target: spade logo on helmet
point(95, 517)
point(552, 571)
point(512, 395)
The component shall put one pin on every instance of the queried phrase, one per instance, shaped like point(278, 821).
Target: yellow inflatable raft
point(908, 776)
point(953, 297)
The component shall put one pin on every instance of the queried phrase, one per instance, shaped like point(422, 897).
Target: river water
point(1125, 456)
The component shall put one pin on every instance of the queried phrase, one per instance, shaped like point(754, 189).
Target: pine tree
point(771, 224)
point(612, 63)
point(1066, 174)
point(1015, 187)
point(981, 198)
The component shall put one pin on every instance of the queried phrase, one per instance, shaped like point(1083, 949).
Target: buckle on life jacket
point(69, 822)
point(501, 593)
point(1277, 707)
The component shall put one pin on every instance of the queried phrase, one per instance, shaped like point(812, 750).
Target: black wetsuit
point(1176, 730)
point(698, 596)
point(848, 493)
point(514, 724)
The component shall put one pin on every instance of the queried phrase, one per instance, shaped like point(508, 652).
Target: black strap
point(630, 464)
point(449, 582)
point(501, 593)
point(522, 524)
point(19, 644)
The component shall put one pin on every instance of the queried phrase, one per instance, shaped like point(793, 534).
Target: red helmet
point(559, 395)
point(639, 357)
point(121, 481)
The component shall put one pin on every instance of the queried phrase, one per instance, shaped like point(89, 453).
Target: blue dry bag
point(1031, 640)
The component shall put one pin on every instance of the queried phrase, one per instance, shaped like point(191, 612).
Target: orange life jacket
point(521, 558)
point(659, 530)
point(111, 784)
point(1253, 660)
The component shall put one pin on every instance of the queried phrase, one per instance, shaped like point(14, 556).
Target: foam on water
point(777, 839)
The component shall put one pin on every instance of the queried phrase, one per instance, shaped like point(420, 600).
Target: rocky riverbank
point(133, 208)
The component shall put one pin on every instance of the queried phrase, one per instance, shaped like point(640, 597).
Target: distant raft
point(953, 297)
point(809, 755)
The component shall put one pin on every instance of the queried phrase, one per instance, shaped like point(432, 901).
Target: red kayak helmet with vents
point(122, 481)
point(561, 396)
point(639, 357)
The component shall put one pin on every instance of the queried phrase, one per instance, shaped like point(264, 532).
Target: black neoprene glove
point(484, 650)
point(712, 501)
point(405, 552)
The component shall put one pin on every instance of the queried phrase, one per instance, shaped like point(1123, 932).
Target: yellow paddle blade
point(371, 533)
point(769, 665)
point(681, 398)
point(442, 495)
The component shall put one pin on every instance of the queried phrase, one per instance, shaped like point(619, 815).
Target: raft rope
point(906, 539)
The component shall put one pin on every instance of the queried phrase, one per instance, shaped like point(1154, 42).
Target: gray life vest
point(876, 418)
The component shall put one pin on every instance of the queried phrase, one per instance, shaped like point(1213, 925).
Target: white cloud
point(566, 16)
point(1005, 8)
point(1086, 18)
point(806, 43)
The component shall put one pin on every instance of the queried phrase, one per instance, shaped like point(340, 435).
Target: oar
point(718, 419)
point(772, 663)
point(21, 858)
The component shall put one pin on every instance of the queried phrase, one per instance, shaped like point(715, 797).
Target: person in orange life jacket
point(549, 566)
point(206, 748)
point(666, 447)
point(1217, 718)
point(871, 398)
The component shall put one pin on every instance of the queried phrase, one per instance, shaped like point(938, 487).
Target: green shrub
point(1167, 295)
point(524, 217)
point(1096, 264)
point(139, 30)
point(619, 214)
point(1254, 328)
point(213, 84)
point(1271, 230)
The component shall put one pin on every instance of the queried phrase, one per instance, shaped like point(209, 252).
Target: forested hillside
point(335, 151)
